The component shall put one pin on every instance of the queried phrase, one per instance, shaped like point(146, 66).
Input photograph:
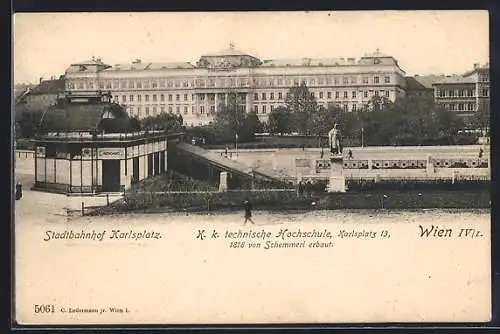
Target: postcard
point(251, 167)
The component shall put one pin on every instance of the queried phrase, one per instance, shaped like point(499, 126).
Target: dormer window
point(82, 68)
point(107, 114)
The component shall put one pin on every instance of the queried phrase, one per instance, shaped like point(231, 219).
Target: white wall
point(50, 173)
point(62, 171)
point(40, 170)
point(75, 173)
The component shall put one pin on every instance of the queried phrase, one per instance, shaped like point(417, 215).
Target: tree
point(250, 125)
point(408, 121)
point(168, 122)
point(302, 105)
point(279, 120)
point(135, 124)
point(481, 119)
point(324, 119)
point(231, 119)
point(29, 122)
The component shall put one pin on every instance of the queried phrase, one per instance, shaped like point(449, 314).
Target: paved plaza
point(36, 203)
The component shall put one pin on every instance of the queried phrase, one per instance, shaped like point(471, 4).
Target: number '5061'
point(46, 308)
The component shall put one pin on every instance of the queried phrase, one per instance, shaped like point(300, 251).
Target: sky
point(423, 42)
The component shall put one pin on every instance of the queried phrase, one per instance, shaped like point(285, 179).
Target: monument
point(334, 141)
point(336, 181)
point(223, 182)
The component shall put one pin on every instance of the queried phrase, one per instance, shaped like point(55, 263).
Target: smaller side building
point(90, 149)
point(466, 94)
point(42, 96)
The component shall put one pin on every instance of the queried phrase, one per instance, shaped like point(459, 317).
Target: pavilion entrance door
point(135, 169)
point(111, 175)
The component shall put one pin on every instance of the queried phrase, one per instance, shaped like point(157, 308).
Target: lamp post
point(236, 144)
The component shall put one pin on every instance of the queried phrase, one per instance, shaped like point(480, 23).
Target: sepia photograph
point(251, 167)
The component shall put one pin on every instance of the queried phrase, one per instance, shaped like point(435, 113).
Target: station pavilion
point(88, 145)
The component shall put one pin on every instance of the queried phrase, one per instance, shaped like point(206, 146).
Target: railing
point(85, 136)
point(24, 154)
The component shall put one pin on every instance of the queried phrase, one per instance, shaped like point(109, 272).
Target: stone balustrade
point(416, 164)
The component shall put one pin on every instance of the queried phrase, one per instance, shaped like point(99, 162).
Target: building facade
point(197, 91)
point(465, 94)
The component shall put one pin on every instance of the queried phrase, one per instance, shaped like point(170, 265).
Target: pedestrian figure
point(322, 153)
point(481, 152)
point(349, 154)
point(19, 190)
point(226, 151)
point(309, 188)
point(301, 188)
point(248, 212)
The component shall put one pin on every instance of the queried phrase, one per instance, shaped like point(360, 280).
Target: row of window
point(228, 82)
point(455, 92)
point(264, 109)
point(459, 106)
point(155, 97)
point(257, 97)
point(322, 95)
point(259, 109)
point(174, 97)
point(484, 92)
point(154, 110)
point(484, 78)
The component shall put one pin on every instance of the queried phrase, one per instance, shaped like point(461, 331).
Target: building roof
point(90, 62)
point(478, 68)
point(78, 117)
point(453, 79)
point(49, 87)
point(140, 66)
point(376, 54)
point(309, 62)
point(421, 82)
point(226, 52)
point(413, 84)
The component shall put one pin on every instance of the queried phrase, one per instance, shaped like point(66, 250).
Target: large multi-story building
point(465, 94)
point(197, 91)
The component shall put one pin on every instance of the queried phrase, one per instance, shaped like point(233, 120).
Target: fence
point(24, 154)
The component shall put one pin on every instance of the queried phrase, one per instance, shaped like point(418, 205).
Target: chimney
point(40, 80)
point(476, 65)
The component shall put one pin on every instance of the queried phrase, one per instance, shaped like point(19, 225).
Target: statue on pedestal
point(334, 140)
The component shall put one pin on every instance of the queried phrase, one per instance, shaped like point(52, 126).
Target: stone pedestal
point(430, 166)
point(336, 181)
point(274, 161)
point(223, 182)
